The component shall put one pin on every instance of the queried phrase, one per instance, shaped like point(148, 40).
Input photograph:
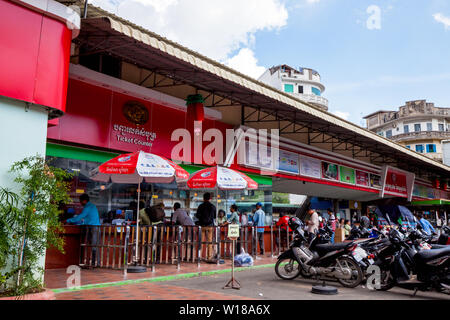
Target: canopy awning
point(105, 32)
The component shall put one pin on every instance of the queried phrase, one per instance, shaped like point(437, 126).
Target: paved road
point(264, 284)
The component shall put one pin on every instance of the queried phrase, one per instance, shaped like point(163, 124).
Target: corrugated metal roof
point(201, 62)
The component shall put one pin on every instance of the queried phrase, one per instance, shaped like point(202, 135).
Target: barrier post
point(199, 252)
point(271, 241)
point(125, 252)
point(218, 236)
point(179, 248)
point(154, 250)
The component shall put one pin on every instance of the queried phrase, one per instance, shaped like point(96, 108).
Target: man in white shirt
point(313, 222)
point(181, 216)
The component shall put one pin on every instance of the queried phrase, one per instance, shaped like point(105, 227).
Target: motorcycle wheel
point(387, 282)
point(287, 269)
point(357, 274)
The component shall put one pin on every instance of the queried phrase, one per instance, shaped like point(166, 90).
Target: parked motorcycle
point(400, 258)
point(309, 258)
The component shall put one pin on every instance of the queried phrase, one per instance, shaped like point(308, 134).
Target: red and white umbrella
point(135, 168)
point(221, 178)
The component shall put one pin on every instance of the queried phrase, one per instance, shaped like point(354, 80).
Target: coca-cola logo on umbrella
point(124, 159)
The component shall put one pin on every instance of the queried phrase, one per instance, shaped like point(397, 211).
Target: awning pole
point(85, 9)
point(137, 222)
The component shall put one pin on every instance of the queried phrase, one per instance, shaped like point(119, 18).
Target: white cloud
point(313, 1)
point(246, 63)
point(341, 114)
point(439, 17)
point(211, 27)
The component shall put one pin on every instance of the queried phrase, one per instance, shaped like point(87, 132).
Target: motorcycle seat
point(333, 246)
point(428, 255)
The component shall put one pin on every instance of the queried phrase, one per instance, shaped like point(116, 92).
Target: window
point(300, 89)
point(380, 133)
point(417, 127)
point(441, 127)
point(289, 88)
point(429, 127)
point(389, 134)
point(315, 91)
point(406, 129)
point(409, 147)
point(419, 148)
point(100, 62)
point(431, 148)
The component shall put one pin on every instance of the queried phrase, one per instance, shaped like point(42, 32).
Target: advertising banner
point(397, 182)
point(288, 162)
point(347, 175)
point(310, 167)
point(375, 181)
point(362, 178)
point(330, 171)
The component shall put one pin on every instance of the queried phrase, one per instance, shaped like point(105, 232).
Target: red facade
point(34, 56)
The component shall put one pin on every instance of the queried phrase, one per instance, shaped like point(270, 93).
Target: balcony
point(422, 135)
point(312, 98)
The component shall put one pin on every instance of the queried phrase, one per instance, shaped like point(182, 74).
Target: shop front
point(106, 117)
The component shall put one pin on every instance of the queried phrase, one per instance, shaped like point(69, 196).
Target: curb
point(45, 295)
point(158, 279)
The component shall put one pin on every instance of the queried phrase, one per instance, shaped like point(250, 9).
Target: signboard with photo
point(288, 162)
point(362, 178)
point(330, 171)
point(310, 167)
point(375, 181)
point(347, 175)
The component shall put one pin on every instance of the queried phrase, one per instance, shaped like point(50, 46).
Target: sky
point(371, 54)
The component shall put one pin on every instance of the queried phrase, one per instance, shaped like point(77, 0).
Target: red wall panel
point(93, 111)
point(34, 56)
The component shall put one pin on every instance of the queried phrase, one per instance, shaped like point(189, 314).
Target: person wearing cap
point(259, 219)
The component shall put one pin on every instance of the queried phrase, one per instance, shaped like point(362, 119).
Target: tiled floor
point(145, 291)
point(57, 278)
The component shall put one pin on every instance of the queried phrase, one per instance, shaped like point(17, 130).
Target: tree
point(29, 223)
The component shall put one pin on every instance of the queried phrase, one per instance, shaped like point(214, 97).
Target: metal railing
point(112, 247)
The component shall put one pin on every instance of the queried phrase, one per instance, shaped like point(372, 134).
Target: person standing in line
point(221, 218)
point(206, 214)
point(243, 218)
point(347, 228)
point(332, 223)
point(259, 219)
point(181, 216)
point(426, 225)
point(365, 221)
point(313, 222)
point(234, 219)
point(89, 217)
point(143, 216)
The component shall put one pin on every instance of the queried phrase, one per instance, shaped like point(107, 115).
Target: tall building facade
point(418, 125)
point(303, 83)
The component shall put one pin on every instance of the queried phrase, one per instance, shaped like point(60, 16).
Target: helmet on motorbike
point(294, 223)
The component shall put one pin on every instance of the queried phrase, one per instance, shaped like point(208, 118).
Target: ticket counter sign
point(233, 231)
